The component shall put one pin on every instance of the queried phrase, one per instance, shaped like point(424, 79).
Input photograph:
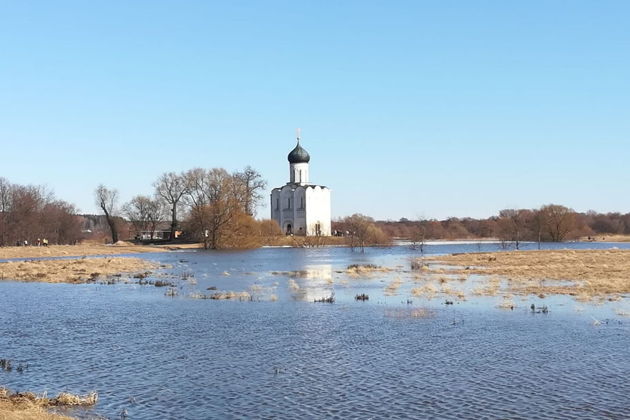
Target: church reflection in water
point(312, 283)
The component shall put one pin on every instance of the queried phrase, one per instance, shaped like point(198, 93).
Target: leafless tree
point(107, 200)
point(513, 225)
point(363, 231)
point(5, 206)
point(156, 213)
point(215, 200)
point(171, 187)
point(418, 235)
point(32, 212)
point(558, 221)
point(137, 211)
point(251, 185)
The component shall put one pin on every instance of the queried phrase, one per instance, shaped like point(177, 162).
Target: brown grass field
point(586, 274)
point(29, 406)
point(80, 270)
point(80, 250)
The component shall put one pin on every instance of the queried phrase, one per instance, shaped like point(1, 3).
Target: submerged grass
point(357, 270)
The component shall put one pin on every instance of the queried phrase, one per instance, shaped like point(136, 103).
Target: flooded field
point(239, 334)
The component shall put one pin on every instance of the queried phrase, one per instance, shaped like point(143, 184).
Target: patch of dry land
point(29, 406)
point(586, 274)
point(80, 250)
point(80, 270)
point(606, 238)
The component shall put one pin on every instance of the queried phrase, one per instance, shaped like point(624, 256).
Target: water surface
point(287, 357)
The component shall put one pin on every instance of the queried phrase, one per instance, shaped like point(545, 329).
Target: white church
point(299, 207)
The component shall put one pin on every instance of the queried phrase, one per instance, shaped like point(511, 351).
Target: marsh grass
point(81, 270)
point(358, 270)
point(28, 405)
point(427, 291)
point(409, 313)
point(223, 295)
point(392, 288)
point(585, 274)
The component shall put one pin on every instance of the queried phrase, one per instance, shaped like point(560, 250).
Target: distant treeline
point(216, 207)
point(549, 223)
point(29, 213)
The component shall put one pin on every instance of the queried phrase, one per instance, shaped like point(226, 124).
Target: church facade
point(299, 207)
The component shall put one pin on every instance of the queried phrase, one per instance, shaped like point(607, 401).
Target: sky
point(416, 109)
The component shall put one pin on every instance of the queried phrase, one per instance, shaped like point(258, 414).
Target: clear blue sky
point(408, 108)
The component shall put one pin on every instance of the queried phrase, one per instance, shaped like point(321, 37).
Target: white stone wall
point(288, 208)
point(318, 210)
point(298, 173)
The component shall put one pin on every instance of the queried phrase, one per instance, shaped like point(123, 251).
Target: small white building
point(299, 207)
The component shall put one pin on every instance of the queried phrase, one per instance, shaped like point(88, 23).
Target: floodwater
point(282, 355)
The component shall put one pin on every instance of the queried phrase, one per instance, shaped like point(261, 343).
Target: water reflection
point(312, 283)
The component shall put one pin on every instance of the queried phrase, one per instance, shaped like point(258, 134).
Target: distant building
point(299, 207)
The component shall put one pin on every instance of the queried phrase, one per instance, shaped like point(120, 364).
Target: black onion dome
point(299, 155)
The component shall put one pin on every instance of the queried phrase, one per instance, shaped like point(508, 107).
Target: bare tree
point(558, 221)
point(251, 185)
point(513, 225)
point(215, 199)
point(363, 231)
point(156, 213)
point(418, 235)
point(5, 206)
point(137, 211)
point(171, 187)
point(107, 200)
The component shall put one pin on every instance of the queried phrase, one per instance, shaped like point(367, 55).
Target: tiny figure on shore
point(45, 242)
point(39, 242)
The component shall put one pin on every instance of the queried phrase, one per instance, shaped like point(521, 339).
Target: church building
point(299, 207)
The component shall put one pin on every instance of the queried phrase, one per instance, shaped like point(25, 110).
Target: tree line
point(549, 223)
point(212, 206)
point(32, 212)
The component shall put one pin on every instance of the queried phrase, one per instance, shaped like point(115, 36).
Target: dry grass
point(80, 250)
point(585, 274)
point(357, 270)
point(607, 238)
point(223, 295)
point(392, 288)
point(29, 406)
point(428, 291)
point(72, 270)
point(404, 313)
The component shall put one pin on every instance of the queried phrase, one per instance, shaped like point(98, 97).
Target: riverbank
point(80, 270)
point(12, 411)
point(29, 406)
point(585, 274)
point(80, 250)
